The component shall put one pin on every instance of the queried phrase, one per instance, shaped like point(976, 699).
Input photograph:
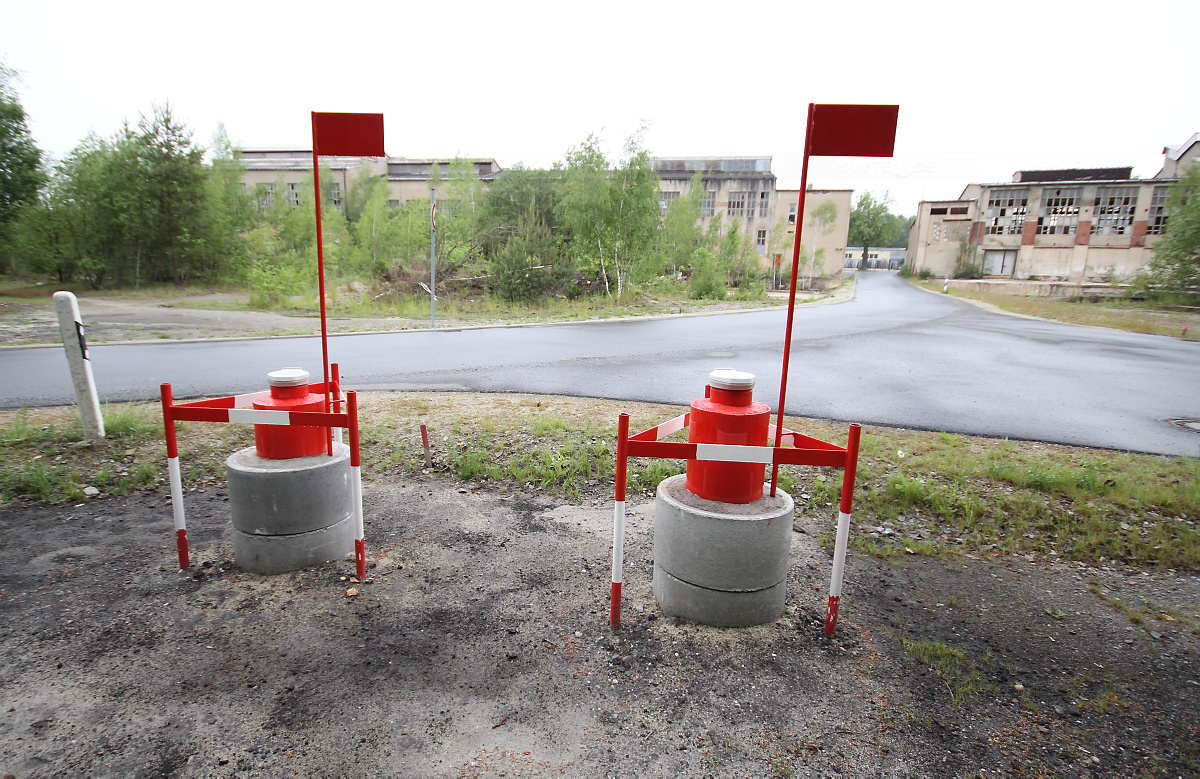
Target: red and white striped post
point(236, 409)
point(336, 399)
point(843, 530)
point(618, 574)
point(360, 549)
point(176, 478)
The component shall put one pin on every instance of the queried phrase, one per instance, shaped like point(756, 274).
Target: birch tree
point(611, 210)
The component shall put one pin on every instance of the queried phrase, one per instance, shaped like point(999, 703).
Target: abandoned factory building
point(1076, 225)
point(735, 191)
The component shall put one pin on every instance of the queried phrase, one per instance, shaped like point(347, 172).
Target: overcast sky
point(984, 88)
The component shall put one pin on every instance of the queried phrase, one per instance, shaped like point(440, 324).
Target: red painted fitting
point(289, 392)
point(728, 415)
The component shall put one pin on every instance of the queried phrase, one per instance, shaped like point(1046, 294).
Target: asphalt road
point(894, 355)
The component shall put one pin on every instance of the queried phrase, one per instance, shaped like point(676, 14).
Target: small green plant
point(133, 421)
point(925, 274)
point(961, 676)
point(966, 265)
point(21, 432)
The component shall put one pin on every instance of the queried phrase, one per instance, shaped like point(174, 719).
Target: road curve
point(894, 355)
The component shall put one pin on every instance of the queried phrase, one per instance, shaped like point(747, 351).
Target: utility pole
point(433, 258)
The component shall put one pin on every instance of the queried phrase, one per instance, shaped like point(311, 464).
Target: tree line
point(144, 206)
point(149, 205)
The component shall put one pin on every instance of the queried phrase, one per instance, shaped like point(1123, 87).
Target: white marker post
point(71, 328)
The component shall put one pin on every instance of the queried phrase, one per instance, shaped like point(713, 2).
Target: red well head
point(289, 392)
point(728, 415)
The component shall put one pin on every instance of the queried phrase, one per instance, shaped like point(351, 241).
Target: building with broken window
point(742, 191)
point(1077, 225)
point(270, 173)
point(736, 191)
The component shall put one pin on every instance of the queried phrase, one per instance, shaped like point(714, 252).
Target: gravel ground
point(479, 646)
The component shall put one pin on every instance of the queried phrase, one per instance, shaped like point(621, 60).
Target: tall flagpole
point(787, 337)
point(320, 264)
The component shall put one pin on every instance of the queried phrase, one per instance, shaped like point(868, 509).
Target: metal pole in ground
point(618, 554)
point(846, 507)
point(71, 328)
point(181, 543)
point(360, 549)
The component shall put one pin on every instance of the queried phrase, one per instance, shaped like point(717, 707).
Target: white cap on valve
point(288, 377)
point(729, 379)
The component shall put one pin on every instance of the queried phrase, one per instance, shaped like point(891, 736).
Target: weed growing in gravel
point(962, 677)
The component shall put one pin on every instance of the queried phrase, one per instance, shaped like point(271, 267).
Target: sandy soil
point(480, 647)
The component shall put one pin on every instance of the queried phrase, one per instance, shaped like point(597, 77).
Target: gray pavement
point(894, 355)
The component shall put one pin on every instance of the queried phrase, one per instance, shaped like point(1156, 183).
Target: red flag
point(348, 135)
point(853, 130)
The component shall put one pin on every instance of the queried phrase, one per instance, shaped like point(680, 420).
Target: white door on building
point(999, 262)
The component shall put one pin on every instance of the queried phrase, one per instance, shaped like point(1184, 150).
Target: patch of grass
point(19, 431)
point(46, 482)
point(1016, 497)
point(869, 546)
point(1118, 313)
point(473, 306)
point(133, 420)
point(963, 677)
point(938, 494)
point(46, 460)
point(1136, 616)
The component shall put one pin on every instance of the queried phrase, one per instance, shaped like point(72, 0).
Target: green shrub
point(967, 270)
point(706, 281)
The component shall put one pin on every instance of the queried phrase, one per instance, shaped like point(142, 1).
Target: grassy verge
point(47, 460)
point(486, 309)
point(1131, 316)
point(918, 493)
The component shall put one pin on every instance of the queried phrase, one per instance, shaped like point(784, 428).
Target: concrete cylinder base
point(721, 564)
point(279, 554)
point(290, 514)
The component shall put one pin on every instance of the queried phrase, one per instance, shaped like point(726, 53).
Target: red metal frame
point(803, 450)
point(217, 410)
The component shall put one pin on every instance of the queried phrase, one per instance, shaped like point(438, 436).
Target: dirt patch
point(480, 647)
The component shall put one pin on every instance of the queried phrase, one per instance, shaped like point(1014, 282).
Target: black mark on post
point(82, 340)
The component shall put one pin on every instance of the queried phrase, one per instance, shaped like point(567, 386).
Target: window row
point(1113, 211)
